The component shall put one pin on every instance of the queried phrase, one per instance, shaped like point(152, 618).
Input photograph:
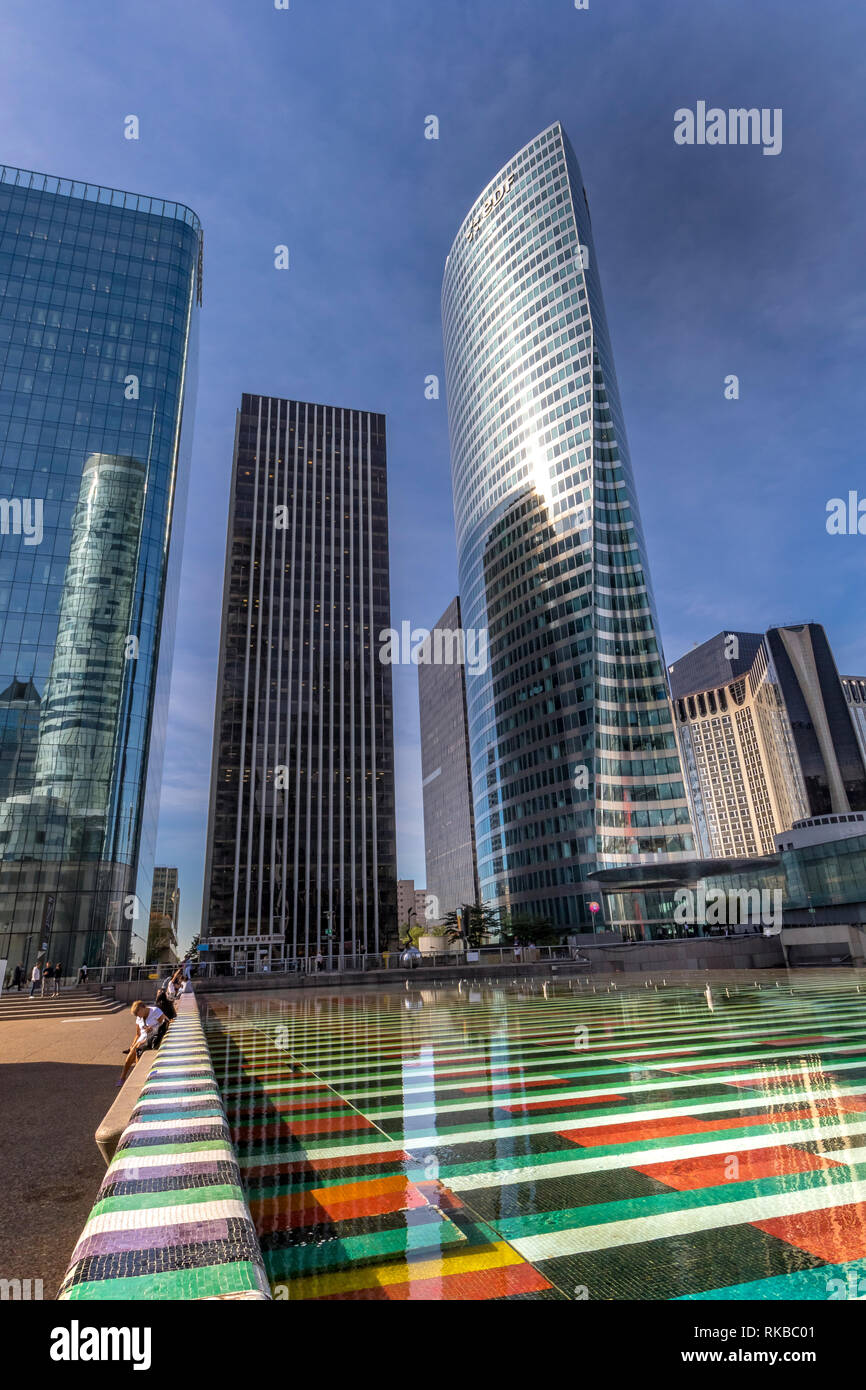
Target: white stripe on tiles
point(581, 1240)
point(535, 1172)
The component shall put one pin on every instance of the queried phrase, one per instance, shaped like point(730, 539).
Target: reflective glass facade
point(301, 843)
point(573, 751)
point(854, 688)
point(828, 751)
point(817, 883)
point(446, 779)
point(99, 295)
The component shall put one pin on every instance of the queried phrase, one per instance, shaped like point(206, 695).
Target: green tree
point(523, 929)
point(472, 924)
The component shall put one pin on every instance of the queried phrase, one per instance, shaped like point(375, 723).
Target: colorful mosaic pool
point(553, 1142)
point(170, 1219)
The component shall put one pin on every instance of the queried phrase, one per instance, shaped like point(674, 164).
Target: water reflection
point(657, 1140)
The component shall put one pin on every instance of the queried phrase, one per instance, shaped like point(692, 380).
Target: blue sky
point(306, 127)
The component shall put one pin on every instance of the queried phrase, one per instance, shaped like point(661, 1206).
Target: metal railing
point(388, 960)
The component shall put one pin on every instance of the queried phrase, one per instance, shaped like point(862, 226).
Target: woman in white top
point(149, 1022)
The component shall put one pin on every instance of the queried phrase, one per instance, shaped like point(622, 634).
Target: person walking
point(46, 977)
point(82, 975)
point(35, 980)
point(58, 976)
point(18, 977)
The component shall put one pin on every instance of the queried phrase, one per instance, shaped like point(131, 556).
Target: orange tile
point(712, 1170)
point(835, 1235)
point(623, 1133)
point(334, 1204)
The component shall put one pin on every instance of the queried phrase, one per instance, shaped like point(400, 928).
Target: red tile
point(714, 1170)
point(835, 1235)
point(570, 1102)
point(624, 1133)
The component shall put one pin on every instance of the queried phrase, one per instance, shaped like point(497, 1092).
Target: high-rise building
point(828, 752)
point(854, 688)
point(449, 817)
point(164, 911)
point(411, 904)
point(98, 332)
point(301, 853)
point(165, 899)
point(765, 736)
point(737, 745)
point(573, 752)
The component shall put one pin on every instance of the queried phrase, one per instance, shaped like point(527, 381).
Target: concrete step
point(69, 1002)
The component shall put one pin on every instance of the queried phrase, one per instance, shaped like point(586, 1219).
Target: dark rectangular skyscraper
point(449, 820)
point(301, 844)
point(99, 295)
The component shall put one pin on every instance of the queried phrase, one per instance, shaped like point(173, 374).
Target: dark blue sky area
point(306, 127)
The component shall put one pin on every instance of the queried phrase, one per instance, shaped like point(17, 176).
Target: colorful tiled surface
point(170, 1219)
point(565, 1141)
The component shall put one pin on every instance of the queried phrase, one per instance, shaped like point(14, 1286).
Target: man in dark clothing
point(163, 1002)
point(58, 976)
point(18, 977)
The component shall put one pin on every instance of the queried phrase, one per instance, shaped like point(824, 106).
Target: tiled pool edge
point(170, 1219)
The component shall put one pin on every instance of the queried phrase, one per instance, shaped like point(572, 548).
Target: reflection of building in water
point(19, 728)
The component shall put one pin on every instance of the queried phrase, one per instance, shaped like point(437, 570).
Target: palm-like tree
point(471, 923)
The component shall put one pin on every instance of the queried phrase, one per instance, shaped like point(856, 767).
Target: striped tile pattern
point(566, 1141)
point(171, 1220)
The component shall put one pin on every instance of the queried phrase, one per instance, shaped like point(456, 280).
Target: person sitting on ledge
point(151, 1024)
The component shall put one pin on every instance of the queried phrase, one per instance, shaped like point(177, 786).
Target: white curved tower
point(574, 758)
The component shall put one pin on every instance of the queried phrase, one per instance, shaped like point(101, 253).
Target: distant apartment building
point(301, 851)
point(411, 904)
point(765, 737)
point(449, 818)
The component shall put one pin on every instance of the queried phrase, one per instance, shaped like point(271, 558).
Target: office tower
point(165, 899)
point(301, 850)
point(449, 818)
point(411, 905)
point(828, 752)
point(574, 756)
point(98, 326)
point(765, 737)
point(854, 688)
point(737, 745)
point(164, 910)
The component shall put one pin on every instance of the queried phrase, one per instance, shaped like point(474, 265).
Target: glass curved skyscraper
point(99, 298)
point(574, 758)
